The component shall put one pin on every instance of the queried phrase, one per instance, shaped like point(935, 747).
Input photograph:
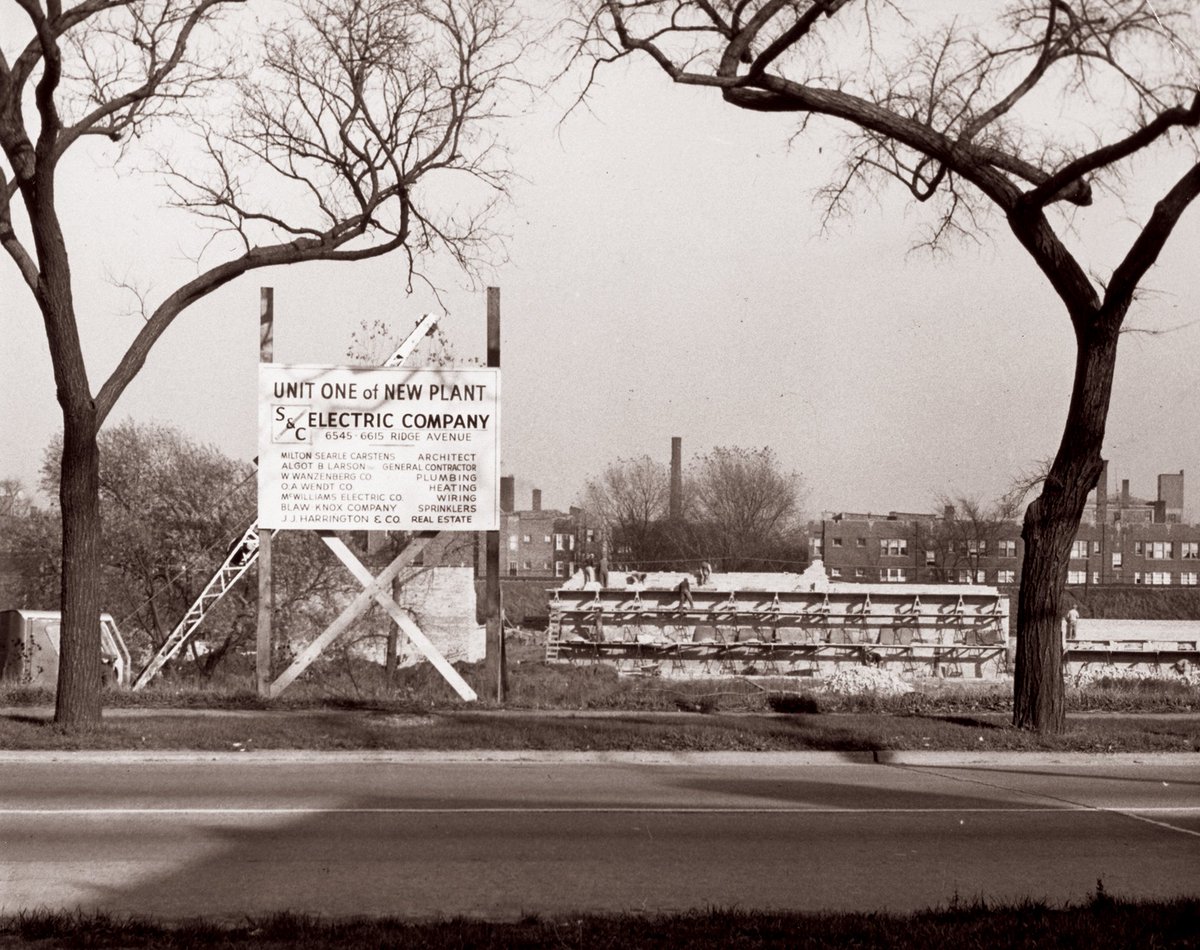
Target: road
point(422, 837)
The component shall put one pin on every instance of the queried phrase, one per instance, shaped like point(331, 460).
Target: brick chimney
point(508, 490)
point(675, 508)
point(536, 500)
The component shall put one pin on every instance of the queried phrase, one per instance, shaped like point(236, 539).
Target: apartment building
point(547, 543)
point(1122, 540)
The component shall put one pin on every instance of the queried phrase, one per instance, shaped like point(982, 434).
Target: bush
point(794, 703)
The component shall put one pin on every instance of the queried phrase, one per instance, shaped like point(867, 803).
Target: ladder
point(241, 555)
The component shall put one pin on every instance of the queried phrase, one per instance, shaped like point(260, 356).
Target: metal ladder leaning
point(241, 555)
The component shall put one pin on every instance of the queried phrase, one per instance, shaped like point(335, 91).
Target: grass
point(329, 730)
point(538, 685)
point(1101, 922)
point(355, 709)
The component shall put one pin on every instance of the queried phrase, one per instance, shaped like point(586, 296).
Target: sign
point(378, 449)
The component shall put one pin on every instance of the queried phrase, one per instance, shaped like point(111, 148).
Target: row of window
point(900, 575)
point(898, 547)
point(1080, 549)
point(1154, 578)
point(562, 542)
point(1150, 550)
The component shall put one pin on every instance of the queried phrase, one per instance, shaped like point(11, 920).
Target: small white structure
point(29, 648)
point(441, 601)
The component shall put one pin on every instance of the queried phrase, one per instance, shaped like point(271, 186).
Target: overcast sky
point(668, 276)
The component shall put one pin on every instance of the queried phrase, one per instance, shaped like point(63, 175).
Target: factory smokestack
point(675, 509)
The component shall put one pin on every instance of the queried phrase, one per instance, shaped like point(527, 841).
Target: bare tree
point(315, 136)
point(969, 531)
point(745, 512)
point(1019, 117)
point(631, 499)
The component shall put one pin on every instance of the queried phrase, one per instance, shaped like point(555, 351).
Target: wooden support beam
point(266, 587)
point(383, 597)
point(493, 610)
point(360, 603)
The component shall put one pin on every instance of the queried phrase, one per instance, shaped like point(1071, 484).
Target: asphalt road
point(237, 835)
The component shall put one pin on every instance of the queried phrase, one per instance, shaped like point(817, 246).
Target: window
point(1188, 578)
point(1159, 550)
point(1160, 578)
point(930, 558)
point(1116, 560)
point(893, 547)
point(512, 542)
point(817, 546)
point(977, 547)
point(560, 542)
point(893, 574)
point(1076, 577)
point(1079, 549)
point(528, 566)
point(837, 542)
point(860, 572)
point(545, 565)
point(963, 576)
point(1189, 550)
point(1006, 548)
point(835, 572)
point(1006, 577)
point(1095, 547)
point(525, 538)
point(591, 535)
point(547, 539)
point(860, 542)
point(560, 569)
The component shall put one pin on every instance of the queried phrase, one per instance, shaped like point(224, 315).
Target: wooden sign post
point(266, 589)
point(493, 613)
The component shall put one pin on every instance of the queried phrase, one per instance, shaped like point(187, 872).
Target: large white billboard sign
point(378, 449)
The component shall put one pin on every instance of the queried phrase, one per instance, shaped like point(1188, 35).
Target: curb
point(268, 757)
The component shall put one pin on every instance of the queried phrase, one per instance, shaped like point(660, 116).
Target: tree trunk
point(78, 700)
point(1051, 523)
point(393, 637)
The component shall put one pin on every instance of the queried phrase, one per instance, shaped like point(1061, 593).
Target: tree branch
point(9, 240)
point(1073, 172)
point(1150, 242)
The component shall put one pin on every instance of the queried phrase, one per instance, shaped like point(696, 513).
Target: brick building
point(538, 542)
point(1122, 540)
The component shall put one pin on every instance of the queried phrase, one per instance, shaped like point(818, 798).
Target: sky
point(667, 275)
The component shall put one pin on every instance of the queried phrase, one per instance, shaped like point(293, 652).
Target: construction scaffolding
point(717, 629)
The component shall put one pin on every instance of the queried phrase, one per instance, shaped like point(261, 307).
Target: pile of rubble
point(1091, 674)
point(865, 680)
